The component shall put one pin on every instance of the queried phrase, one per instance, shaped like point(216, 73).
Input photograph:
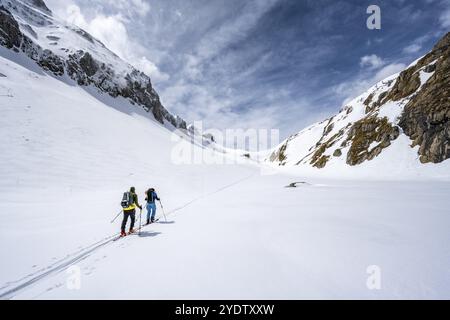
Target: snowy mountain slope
point(64, 49)
point(69, 151)
point(413, 104)
point(231, 232)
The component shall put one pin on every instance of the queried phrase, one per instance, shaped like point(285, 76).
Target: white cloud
point(151, 69)
point(233, 30)
point(387, 71)
point(73, 15)
point(444, 19)
point(412, 48)
point(417, 44)
point(371, 61)
point(207, 31)
point(108, 29)
point(129, 8)
point(141, 7)
point(112, 32)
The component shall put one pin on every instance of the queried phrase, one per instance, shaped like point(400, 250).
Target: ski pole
point(162, 208)
point(140, 225)
point(116, 216)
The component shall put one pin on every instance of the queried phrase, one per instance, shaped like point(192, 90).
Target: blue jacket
point(151, 197)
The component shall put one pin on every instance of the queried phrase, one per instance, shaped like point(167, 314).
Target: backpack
point(127, 199)
point(150, 195)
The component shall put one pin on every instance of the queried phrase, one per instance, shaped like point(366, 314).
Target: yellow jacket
point(135, 203)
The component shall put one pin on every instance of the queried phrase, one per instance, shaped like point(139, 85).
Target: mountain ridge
point(414, 103)
point(60, 48)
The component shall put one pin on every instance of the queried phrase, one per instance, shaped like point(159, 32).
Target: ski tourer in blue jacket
point(151, 196)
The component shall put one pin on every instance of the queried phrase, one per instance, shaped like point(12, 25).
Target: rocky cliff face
point(415, 102)
point(61, 49)
point(10, 35)
point(425, 118)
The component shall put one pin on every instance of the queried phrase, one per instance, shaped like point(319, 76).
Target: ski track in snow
point(210, 194)
point(71, 259)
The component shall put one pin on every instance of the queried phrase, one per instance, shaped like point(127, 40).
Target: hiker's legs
point(124, 221)
point(149, 211)
point(133, 218)
point(153, 211)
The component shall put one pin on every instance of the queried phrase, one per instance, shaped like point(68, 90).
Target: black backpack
point(150, 195)
point(127, 199)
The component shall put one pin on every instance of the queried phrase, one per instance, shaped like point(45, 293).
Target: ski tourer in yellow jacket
point(135, 201)
point(130, 211)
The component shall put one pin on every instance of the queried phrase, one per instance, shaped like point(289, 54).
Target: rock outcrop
point(368, 137)
point(10, 34)
point(279, 155)
point(425, 118)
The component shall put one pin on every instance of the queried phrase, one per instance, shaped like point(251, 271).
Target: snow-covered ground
point(68, 154)
point(257, 239)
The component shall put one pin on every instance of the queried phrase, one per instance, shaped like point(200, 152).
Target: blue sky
point(261, 64)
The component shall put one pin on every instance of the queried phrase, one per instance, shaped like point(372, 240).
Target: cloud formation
point(111, 29)
point(249, 64)
point(372, 61)
point(444, 19)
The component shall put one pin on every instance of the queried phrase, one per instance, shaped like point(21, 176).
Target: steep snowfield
point(69, 152)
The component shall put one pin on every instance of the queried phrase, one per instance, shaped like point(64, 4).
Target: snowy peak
point(63, 49)
point(415, 103)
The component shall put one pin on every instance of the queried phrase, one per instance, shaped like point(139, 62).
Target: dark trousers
point(126, 214)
